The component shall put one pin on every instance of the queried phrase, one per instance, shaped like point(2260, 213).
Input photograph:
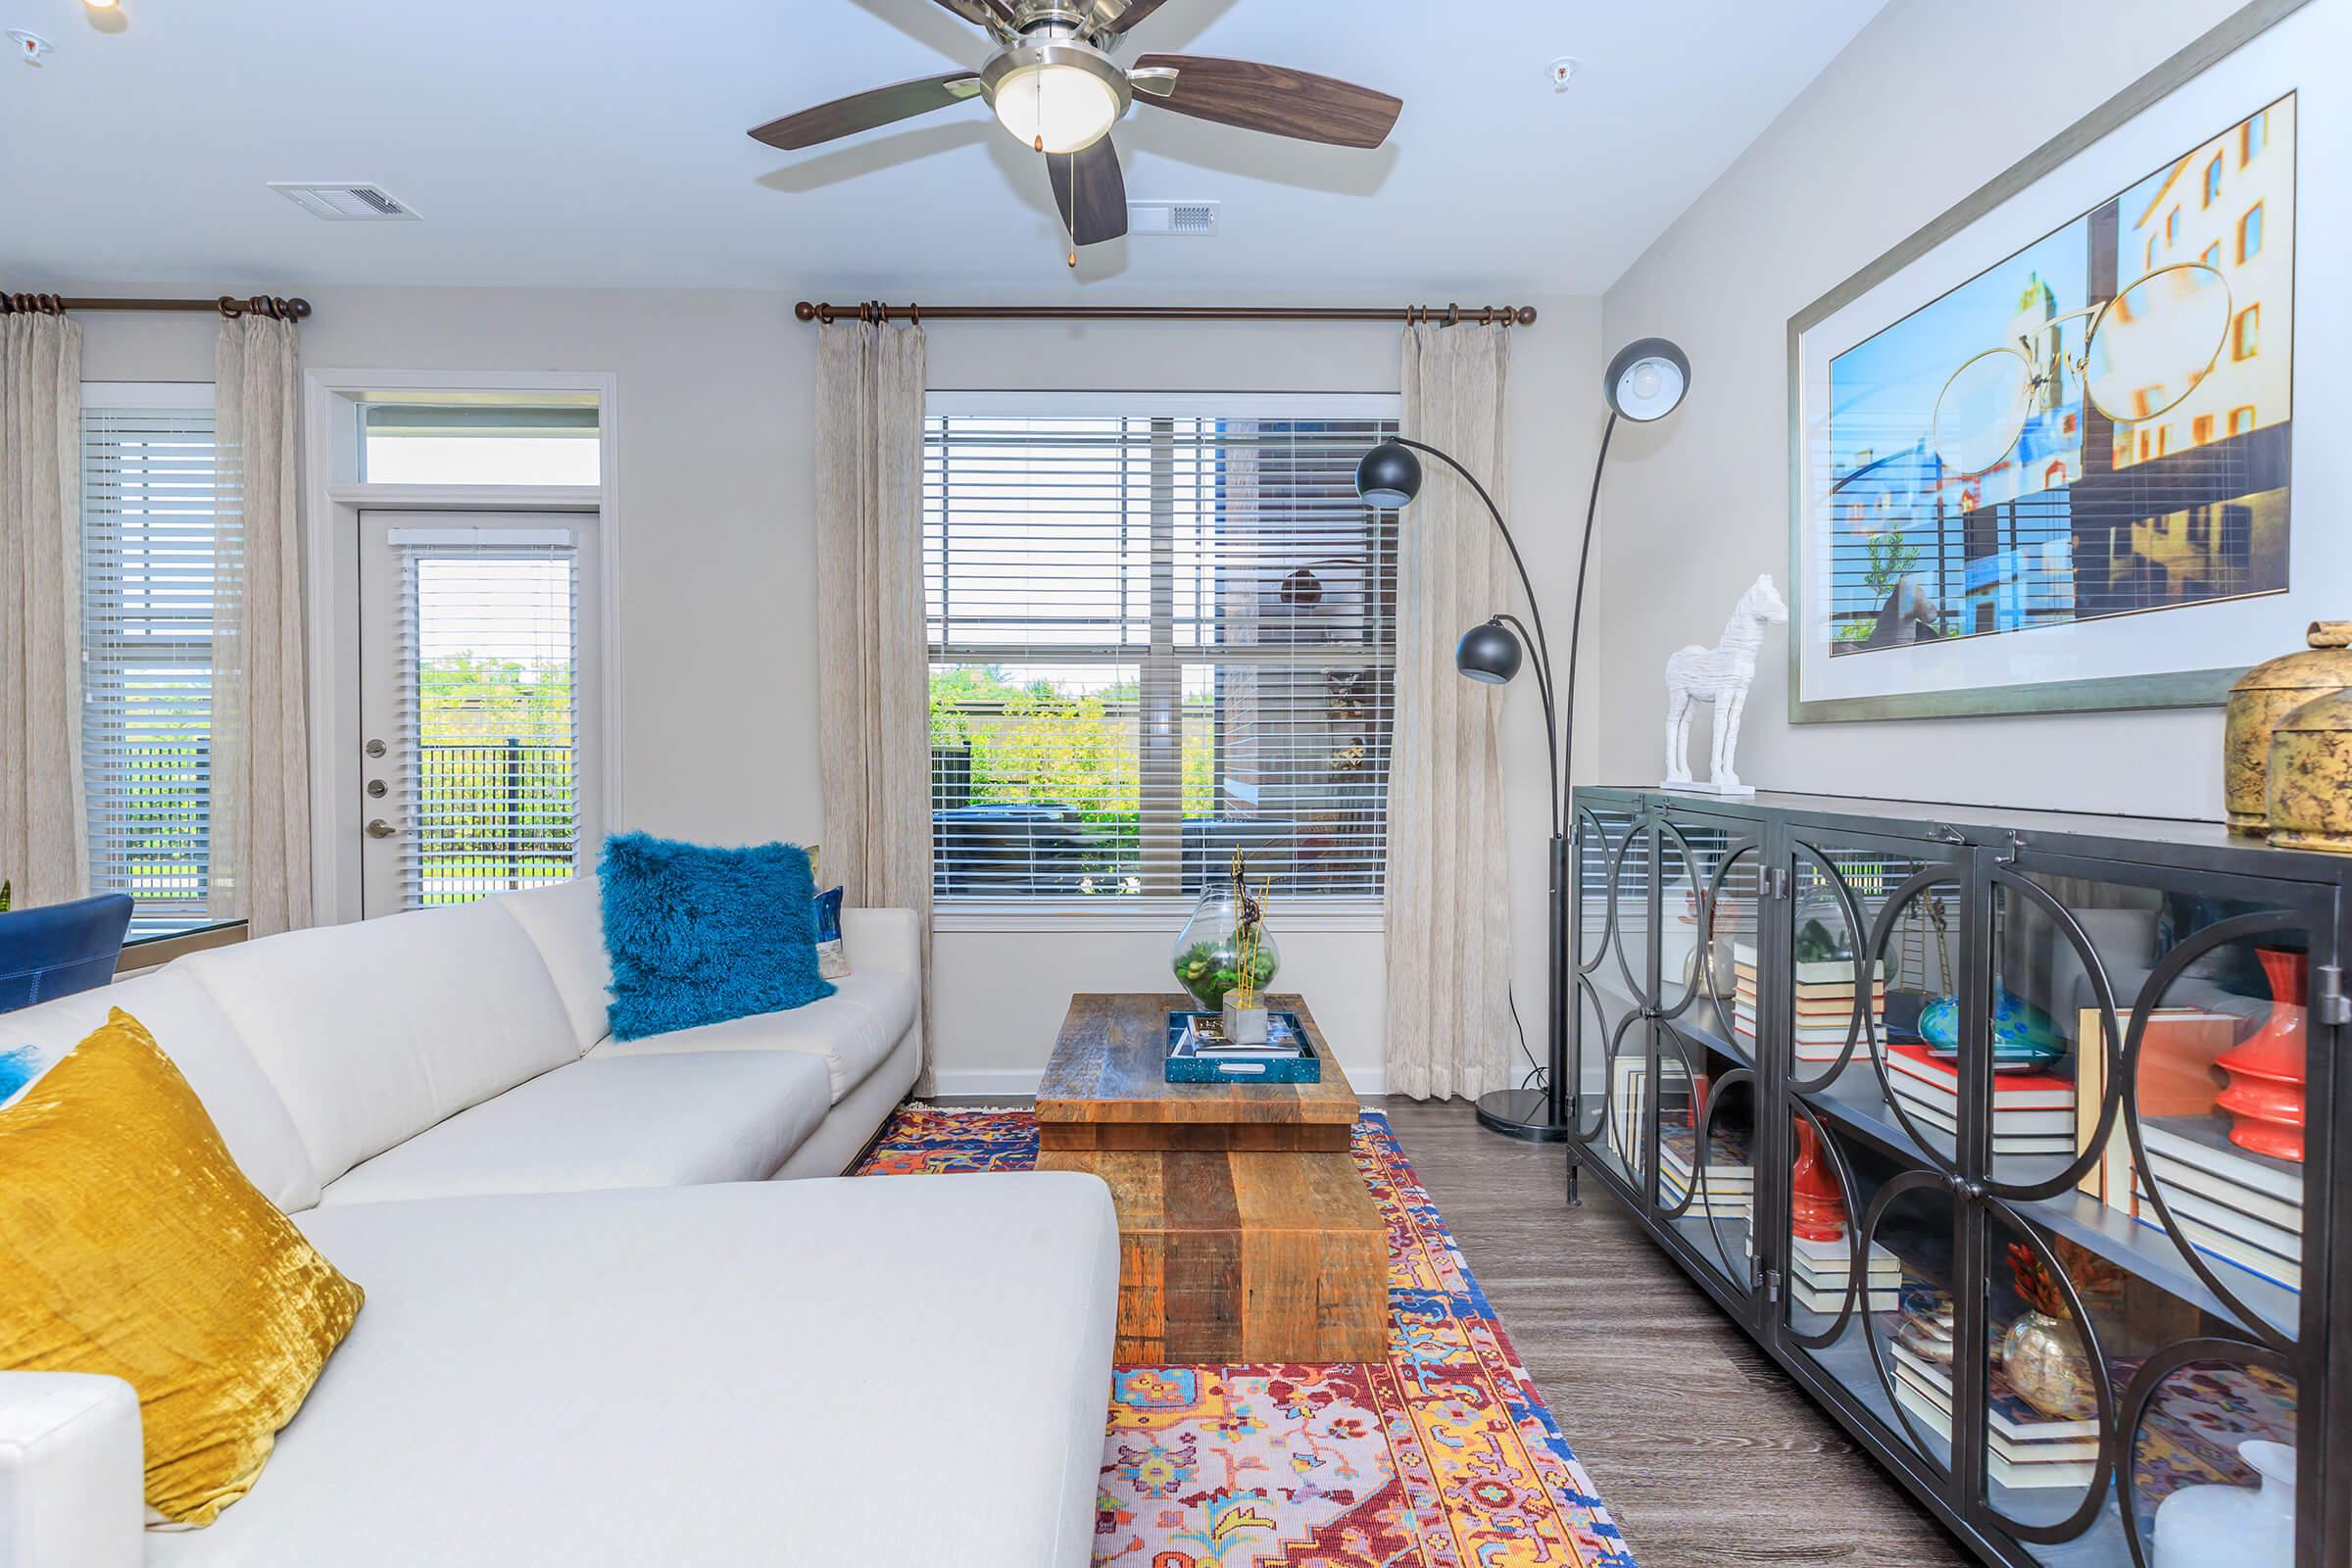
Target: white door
point(480, 704)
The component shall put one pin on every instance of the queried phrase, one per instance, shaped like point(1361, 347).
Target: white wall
point(1929, 103)
point(716, 395)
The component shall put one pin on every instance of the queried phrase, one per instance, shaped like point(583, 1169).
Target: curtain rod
point(280, 310)
point(1445, 314)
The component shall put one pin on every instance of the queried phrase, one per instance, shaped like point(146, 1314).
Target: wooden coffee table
point(1245, 1232)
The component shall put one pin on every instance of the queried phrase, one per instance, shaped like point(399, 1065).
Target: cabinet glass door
point(1611, 868)
point(1873, 974)
point(1711, 878)
point(1706, 1143)
point(2148, 1064)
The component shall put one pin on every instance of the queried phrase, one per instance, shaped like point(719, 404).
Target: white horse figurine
point(1719, 675)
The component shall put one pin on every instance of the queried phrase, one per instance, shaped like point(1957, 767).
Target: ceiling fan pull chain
point(1073, 212)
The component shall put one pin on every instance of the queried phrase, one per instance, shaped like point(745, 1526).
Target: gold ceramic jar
point(2264, 695)
point(2311, 777)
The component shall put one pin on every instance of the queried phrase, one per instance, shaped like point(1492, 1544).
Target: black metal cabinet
point(1986, 1126)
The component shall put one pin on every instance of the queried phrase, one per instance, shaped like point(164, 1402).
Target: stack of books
point(2028, 1450)
point(1819, 1273)
point(1825, 1004)
point(1730, 1192)
point(2243, 1207)
point(2033, 1112)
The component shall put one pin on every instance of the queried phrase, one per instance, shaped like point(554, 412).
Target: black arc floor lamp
point(1645, 381)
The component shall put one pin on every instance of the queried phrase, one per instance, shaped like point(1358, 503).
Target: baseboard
point(1022, 1081)
point(971, 1082)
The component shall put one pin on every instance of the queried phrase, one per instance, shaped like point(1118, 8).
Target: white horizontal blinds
point(147, 547)
point(1156, 639)
point(489, 720)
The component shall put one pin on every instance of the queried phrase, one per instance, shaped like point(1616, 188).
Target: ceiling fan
point(1055, 85)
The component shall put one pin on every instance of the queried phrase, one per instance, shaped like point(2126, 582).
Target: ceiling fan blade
point(847, 117)
point(1273, 98)
point(1092, 194)
point(1111, 17)
point(985, 13)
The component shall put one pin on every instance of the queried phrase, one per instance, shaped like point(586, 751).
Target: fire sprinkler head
point(30, 47)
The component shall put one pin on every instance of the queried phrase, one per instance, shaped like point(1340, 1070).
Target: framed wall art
point(2049, 455)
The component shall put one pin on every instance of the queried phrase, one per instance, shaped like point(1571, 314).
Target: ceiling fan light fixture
point(1064, 96)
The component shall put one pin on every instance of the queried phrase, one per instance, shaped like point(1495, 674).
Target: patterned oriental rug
point(1442, 1456)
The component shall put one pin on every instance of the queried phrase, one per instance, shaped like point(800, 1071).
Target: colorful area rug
point(1442, 1456)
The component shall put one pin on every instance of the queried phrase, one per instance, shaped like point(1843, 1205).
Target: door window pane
point(489, 682)
point(539, 443)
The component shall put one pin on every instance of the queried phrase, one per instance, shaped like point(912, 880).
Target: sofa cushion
point(566, 923)
point(373, 1032)
point(133, 1247)
point(699, 935)
point(705, 1375)
point(197, 1036)
point(852, 1030)
point(671, 1120)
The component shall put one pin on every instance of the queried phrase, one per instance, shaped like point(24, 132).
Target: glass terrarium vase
point(1207, 959)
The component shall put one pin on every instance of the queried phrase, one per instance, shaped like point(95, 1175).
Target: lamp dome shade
point(1647, 379)
point(1489, 653)
point(1390, 476)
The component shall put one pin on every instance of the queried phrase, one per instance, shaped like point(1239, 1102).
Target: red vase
point(2265, 1097)
point(1816, 1208)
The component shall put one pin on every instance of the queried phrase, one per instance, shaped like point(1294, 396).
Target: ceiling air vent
point(345, 203)
point(1182, 219)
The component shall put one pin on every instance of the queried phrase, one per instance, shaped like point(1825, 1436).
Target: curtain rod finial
point(804, 312)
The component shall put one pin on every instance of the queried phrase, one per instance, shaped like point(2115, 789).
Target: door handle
point(380, 829)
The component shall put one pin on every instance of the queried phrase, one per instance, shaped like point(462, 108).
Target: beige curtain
point(1448, 925)
point(261, 851)
point(873, 659)
point(43, 826)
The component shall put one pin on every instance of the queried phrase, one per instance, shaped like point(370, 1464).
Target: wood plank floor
point(1706, 1452)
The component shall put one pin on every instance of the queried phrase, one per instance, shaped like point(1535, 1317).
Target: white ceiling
point(601, 143)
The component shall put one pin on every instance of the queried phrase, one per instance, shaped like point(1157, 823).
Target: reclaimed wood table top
point(1111, 1065)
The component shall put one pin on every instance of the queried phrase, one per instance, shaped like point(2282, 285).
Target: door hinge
point(2334, 1007)
point(1779, 882)
point(1772, 1285)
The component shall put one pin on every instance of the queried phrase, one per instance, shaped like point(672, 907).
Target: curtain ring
point(226, 307)
point(1454, 316)
point(1486, 317)
point(914, 312)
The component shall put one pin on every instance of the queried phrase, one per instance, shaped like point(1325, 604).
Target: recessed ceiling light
point(102, 5)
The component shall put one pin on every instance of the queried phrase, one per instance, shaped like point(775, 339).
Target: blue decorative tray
point(1289, 1056)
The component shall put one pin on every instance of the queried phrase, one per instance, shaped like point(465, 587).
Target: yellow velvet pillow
point(131, 1245)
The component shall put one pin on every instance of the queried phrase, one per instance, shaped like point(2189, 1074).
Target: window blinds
point(147, 543)
point(489, 667)
point(1153, 640)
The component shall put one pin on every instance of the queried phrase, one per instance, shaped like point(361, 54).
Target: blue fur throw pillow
point(699, 935)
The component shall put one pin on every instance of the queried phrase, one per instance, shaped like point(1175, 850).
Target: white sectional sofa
point(595, 1333)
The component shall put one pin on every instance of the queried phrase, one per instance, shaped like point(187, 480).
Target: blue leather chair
point(60, 948)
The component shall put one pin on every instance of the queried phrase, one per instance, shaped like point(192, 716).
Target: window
point(2213, 256)
point(2241, 420)
point(2249, 234)
point(2172, 226)
point(540, 438)
point(2245, 339)
point(2201, 430)
point(2252, 137)
point(489, 654)
point(1160, 629)
point(2213, 181)
point(147, 543)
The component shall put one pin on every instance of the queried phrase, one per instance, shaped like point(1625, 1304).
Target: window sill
point(1164, 916)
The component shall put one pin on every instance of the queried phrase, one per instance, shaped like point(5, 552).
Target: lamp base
point(1523, 1113)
